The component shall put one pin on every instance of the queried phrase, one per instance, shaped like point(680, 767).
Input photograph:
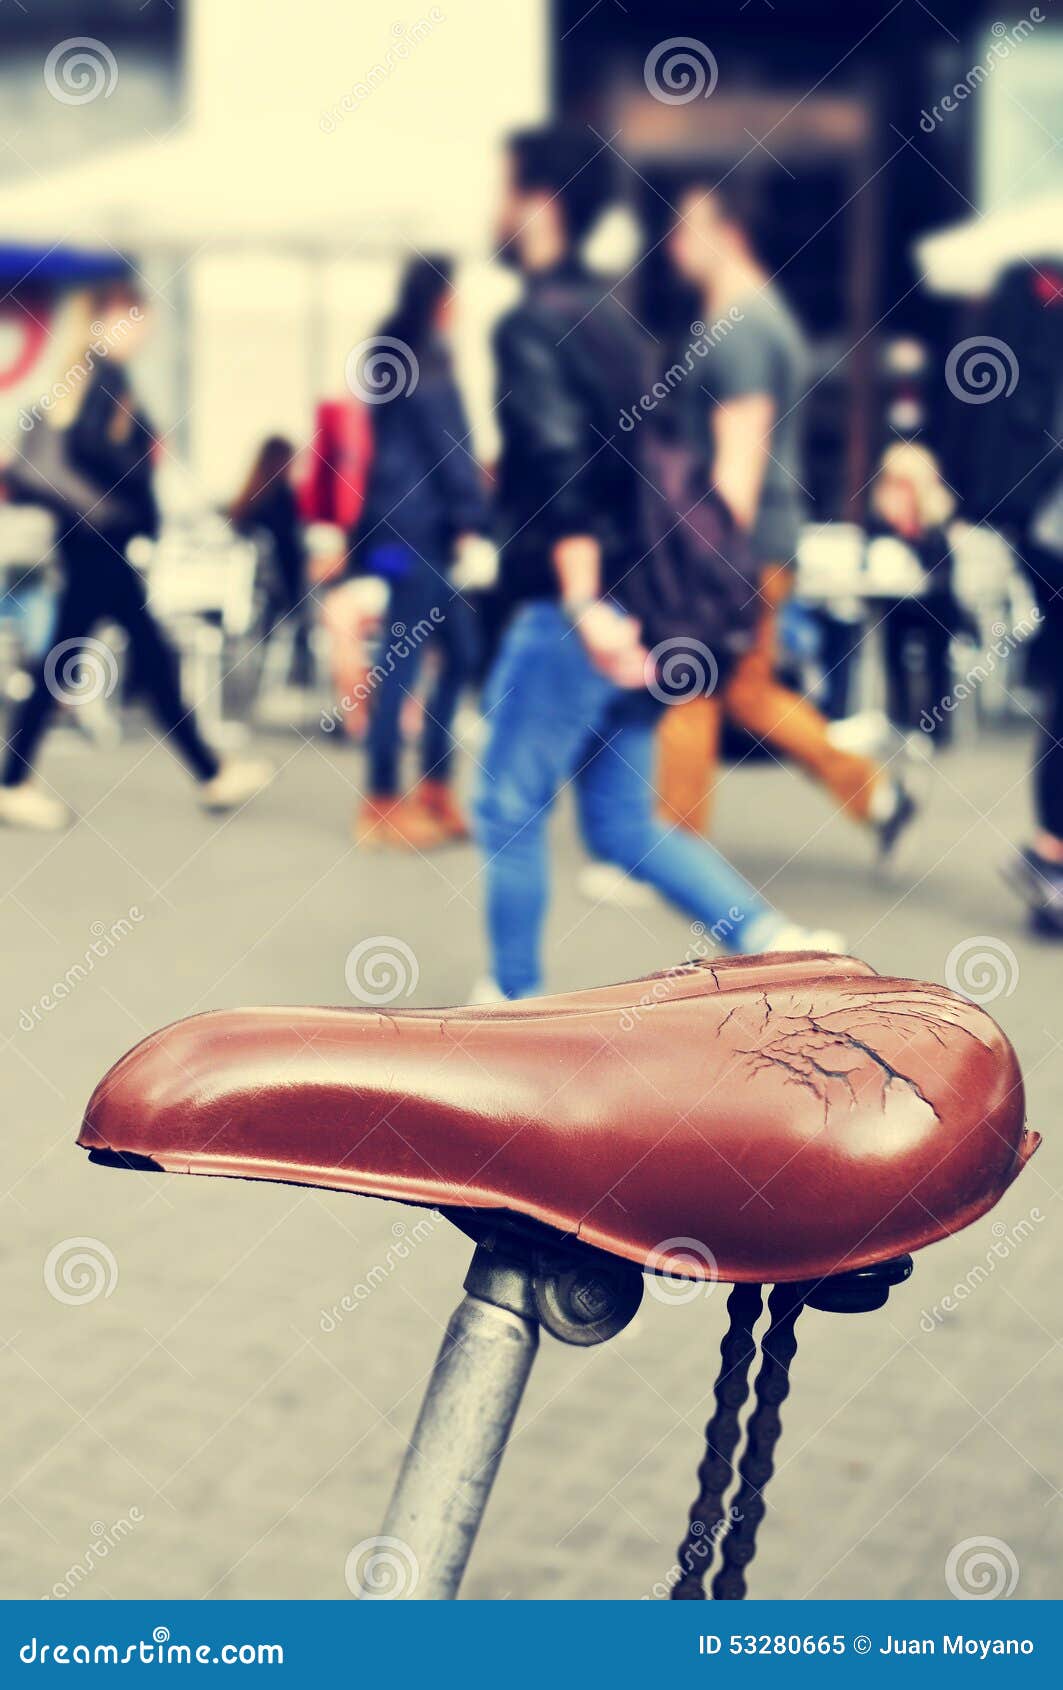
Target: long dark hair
point(272, 462)
point(425, 282)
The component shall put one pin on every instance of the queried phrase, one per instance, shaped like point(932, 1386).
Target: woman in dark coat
point(266, 508)
point(95, 470)
point(424, 501)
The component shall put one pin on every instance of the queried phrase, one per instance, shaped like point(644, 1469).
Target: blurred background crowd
point(254, 406)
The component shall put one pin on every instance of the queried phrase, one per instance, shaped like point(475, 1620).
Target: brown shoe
point(437, 800)
point(398, 823)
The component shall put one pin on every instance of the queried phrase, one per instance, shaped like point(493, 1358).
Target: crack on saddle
point(802, 1063)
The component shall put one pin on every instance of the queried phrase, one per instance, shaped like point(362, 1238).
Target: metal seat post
point(514, 1286)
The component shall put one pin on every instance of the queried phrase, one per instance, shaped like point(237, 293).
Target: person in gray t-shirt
point(758, 349)
point(748, 372)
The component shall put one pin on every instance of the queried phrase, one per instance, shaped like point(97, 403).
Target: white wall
point(1020, 116)
point(39, 134)
point(272, 332)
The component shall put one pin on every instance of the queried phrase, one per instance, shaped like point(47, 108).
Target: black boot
point(1039, 884)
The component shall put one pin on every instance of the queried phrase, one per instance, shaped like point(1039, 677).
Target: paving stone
point(259, 1441)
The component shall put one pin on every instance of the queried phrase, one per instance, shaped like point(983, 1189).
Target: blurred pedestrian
point(1017, 484)
point(911, 505)
point(266, 510)
point(424, 504)
point(90, 461)
point(567, 699)
point(1036, 869)
point(742, 405)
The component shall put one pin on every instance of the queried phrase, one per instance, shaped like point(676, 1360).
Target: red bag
point(334, 489)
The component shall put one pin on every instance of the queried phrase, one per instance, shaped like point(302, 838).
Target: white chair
point(201, 584)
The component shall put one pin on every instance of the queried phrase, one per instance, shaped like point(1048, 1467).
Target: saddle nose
point(759, 1120)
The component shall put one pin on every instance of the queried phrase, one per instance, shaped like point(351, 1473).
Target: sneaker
point(28, 805)
point(19, 686)
point(235, 782)
point(900, 818)
point(604, 883)
point(794, 938)
point(1048, 924)
point(398, 823)
point(436, 798)
point(1039, 883)
point(868, 733)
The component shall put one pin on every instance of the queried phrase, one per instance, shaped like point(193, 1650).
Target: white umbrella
point(348, 189)
point(966, 258)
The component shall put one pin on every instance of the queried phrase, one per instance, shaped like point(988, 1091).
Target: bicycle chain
point(737, 1349)
point(707, 1514)
point(762, 1434)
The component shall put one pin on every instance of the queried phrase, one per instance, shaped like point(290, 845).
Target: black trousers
point(915, 629)
point(100, 585)
point(1048, 766)
point(289, 604)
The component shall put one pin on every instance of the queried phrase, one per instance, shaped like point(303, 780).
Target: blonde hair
point(915, 464)
point(74, 337)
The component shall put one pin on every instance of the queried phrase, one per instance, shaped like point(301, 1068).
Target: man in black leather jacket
point(568, 699)
point(568, 362)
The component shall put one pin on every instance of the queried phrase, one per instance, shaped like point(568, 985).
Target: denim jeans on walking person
point(423, 612)
point(553, 718)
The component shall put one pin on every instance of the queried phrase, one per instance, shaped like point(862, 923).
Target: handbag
point(696, 585)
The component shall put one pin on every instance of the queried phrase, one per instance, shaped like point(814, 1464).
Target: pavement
point(191, 1410)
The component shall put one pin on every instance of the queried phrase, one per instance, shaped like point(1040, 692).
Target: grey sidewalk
point(211, 1429)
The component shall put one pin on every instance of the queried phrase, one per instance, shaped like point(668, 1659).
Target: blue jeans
point(30, 605)
point(554, 718)
point(421, 608)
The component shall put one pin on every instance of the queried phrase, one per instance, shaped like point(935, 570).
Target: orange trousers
point(688, 743)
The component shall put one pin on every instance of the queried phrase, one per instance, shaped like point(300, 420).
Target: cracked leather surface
point(761, 1119)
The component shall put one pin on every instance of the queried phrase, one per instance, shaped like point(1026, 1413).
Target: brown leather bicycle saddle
point(760, 1119)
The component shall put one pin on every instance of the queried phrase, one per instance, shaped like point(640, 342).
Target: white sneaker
point(19, 686)
point(26, 805)
point(486, 991)
point(604, 883)
point(235, 782)
point(794, 938)
point(868, 733)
